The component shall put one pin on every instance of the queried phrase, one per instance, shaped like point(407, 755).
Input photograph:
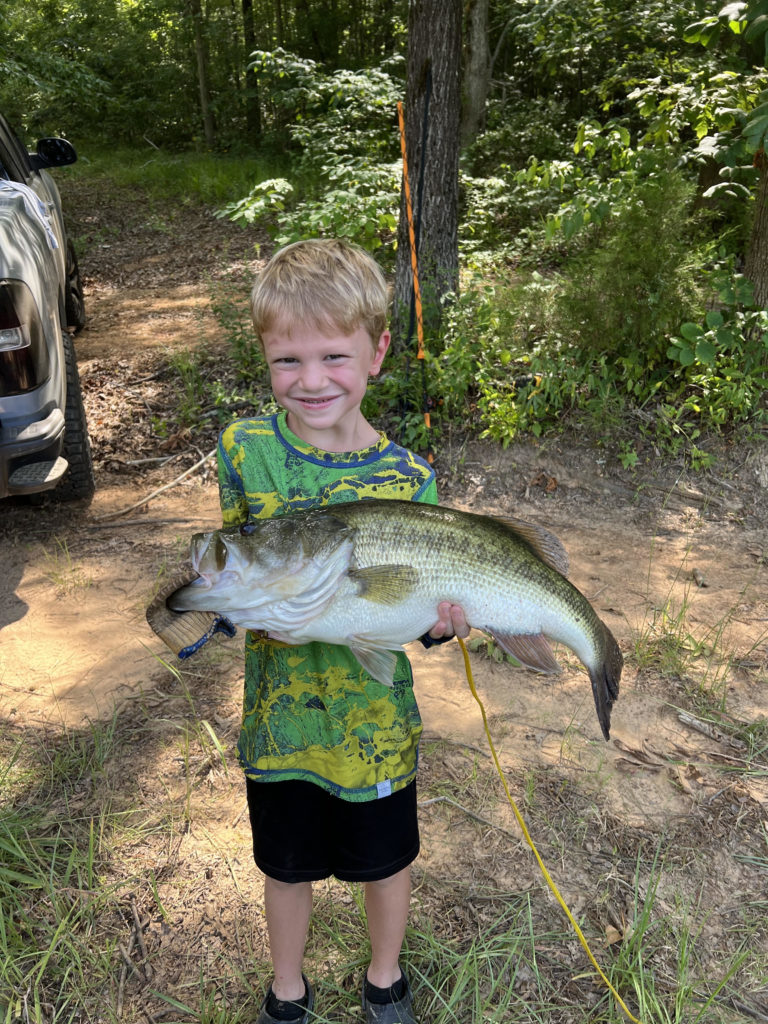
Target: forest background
point(610, 262)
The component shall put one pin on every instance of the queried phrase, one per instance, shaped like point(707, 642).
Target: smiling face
point(320, 380)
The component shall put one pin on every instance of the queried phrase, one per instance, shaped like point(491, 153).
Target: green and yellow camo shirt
point(311, 711)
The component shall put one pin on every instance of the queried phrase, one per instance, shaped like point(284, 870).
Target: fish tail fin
point(605, 679)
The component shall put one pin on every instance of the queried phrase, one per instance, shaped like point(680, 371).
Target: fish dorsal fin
point(385, 584)
point(532, 649)
point(545, 544)
point(376, 661)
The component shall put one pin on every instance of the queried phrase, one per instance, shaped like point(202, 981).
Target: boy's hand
point(451, 622)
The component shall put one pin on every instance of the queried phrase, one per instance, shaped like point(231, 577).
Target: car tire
point(78, 482)
point(74, 302)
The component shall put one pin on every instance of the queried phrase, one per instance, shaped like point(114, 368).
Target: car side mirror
point(53, 153)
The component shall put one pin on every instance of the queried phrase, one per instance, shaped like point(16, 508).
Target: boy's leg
point(387, 903)
point(287, 906)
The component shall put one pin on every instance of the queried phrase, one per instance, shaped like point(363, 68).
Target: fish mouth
point(177, 629)
point(196, 582)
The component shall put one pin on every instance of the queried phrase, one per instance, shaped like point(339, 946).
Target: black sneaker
point(265, 1017)
point(399, 1011)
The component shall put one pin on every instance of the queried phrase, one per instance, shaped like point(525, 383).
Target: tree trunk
point(201, 54)
point(756, 265)
point(477, 72)
point(434, 57)
point(279, 22)
point(252, 107)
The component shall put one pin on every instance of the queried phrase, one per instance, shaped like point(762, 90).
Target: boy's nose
point(313, 377)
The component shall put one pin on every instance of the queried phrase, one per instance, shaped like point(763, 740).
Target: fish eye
point(247, 529)
point(220, 553)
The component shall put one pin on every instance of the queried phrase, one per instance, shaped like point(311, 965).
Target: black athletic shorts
point(302, 834)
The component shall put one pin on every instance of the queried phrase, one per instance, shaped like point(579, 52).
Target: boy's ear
point(380, 351)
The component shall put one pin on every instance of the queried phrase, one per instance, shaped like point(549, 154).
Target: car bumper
point(30, 456)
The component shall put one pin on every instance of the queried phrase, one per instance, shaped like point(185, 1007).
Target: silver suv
point(43, 434)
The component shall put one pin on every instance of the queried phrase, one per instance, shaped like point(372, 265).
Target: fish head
point(260, 562)
point(253, 555)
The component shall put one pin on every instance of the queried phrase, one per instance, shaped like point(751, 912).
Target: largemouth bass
point(370, 574)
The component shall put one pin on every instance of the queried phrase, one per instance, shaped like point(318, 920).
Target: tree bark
point(433, 63)
point(201, 55)
point(252, 106)
point(477, 72)
point(279, 23)
point(756, 264)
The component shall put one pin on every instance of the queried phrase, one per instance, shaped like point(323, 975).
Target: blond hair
point(328, 284)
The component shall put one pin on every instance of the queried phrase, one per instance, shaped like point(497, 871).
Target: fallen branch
point(161, 459)
point(141, 522)
point(470, 814)
point(708, 729)
point(757, 1013)
point(139, 930)
point(126, 965)
point(154, 494)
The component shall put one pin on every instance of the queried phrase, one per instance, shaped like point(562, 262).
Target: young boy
point(329, 753)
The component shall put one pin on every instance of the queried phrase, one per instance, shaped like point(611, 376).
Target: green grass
point(54, 905)
point(211, 178)
point(62, 570)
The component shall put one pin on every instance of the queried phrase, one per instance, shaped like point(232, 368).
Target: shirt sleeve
point(234, 505)
point(429, 494)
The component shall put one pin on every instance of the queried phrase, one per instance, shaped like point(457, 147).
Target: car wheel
point(74, 302)
point(78, 481)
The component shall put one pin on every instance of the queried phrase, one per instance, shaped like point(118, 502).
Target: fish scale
point(370, 574)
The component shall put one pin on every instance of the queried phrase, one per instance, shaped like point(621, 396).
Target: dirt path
point(75, 647)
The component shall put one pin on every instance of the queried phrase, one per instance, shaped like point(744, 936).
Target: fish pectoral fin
point(532, 649)
point(377, 661)
point(385, 584)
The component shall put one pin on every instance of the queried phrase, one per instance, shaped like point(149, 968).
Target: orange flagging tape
point(411, 235)
point(524, 829)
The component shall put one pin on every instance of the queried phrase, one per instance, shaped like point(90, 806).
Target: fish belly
point(350, 617)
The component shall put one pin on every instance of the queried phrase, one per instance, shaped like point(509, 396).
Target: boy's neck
point(345, 437)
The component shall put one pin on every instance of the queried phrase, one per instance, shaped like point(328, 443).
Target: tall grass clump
point(56, 952)
point(209, 178)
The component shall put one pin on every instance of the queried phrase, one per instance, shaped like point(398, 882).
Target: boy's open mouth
point(317, 401)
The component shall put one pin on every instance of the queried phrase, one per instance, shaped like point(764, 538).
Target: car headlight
point(24, 360)
point(13, 338)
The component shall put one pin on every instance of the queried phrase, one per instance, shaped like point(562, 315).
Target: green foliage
point(724, 358)
point(358, 204)
point(263, 203)
point(611, 331)
point(341, 129)
point(126, 71)
point(624, 294)
point(619, 142)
